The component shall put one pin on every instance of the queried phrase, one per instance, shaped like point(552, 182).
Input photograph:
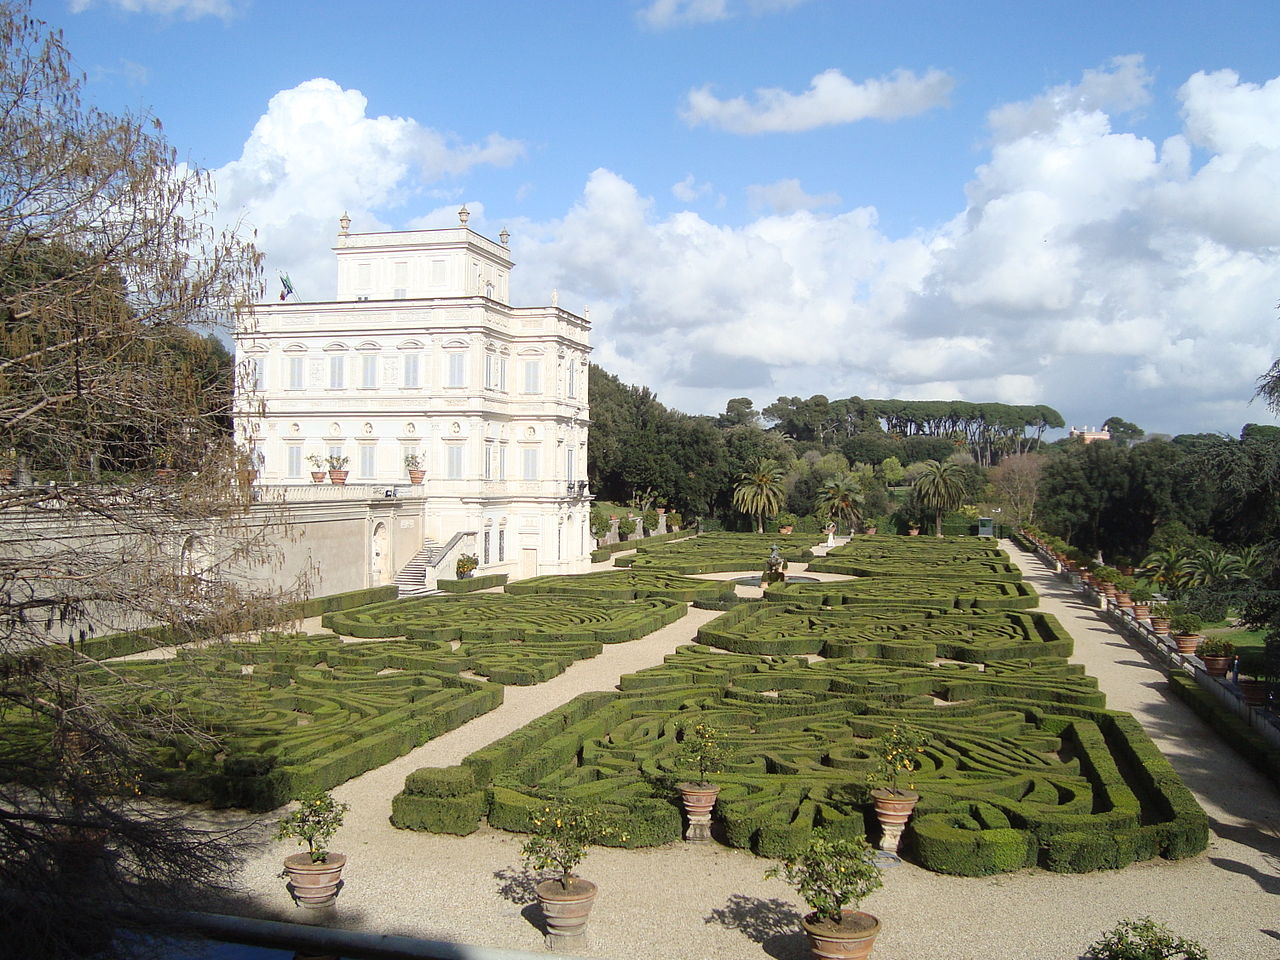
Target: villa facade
point(422, 359)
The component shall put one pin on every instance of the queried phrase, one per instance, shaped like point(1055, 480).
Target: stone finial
point(463, 214)
point(344, 224)
point(504, 238)
point(586, 313)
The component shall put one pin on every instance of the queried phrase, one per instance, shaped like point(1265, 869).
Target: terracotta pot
point(565, 911)
point(1217, 666)
point(338, 477)
point(786, 528)
point(318, 476)
point(1160, 625)
point(314, 884)
point(1141, 610)
point(699, 800)
point(1187, 643)
point(893, 810)
point(850, 939)
point(913, 531)
point(417, 476)
point(6, 476)
point(1253, 691)
point(871, 531)
point(1123, 599)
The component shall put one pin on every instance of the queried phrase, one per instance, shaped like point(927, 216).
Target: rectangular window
point(400, 281)
point(457, 369)
point(411, 370)
point(502, 374)
point(531, 378)
point(490, 375)
point(295, 460)
point(502, 462)
point(568, 464)
point(573, 380)
point(364, 275)
point(296, 373)
point(336, 370)
point(368, 460)
point(502, 545)
point(368, 371)
point(530, 457)
point(437, 273)
point(455, 461)
point(257, 374)
point(488, 461)
point(486, 548)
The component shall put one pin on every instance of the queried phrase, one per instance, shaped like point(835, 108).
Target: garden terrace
point(298, 713)
point(1024, 766)
point(913, 548)
point(510, 619)
point(940, 592)
point(624, 585)
point(915, 634)
point(720, 553)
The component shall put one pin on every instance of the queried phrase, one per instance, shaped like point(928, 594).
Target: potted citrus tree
point(413, 465)
point(1161, 613)
point(315, 876)
point(337, 464)
point(833, 875)
point(899, 754)
point(1217, 654)
point(702, 751)
point(1144, 939)
point(466, 564)
point(562, 831)
point(1186, 632)
point(319, 468)
point(1142, 595)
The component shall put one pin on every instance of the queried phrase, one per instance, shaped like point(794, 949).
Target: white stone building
point(422, 355)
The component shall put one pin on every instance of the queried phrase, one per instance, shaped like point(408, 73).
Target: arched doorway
point(380, 557)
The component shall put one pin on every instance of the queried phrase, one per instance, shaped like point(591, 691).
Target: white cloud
point(663, 14)
point(1086, 267)
point(787, 196)
point(689, 190)
point(187, 9)
point(316, 153)
point(832, 98)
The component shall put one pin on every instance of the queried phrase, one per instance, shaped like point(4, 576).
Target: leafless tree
point(1016, 480)
point(125, 509)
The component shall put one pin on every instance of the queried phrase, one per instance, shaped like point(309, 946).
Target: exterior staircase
point(412, 578)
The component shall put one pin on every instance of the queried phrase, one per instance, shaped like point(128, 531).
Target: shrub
point(1186, 624)
point(314, 823)
point(832, 873)
point(650, 520)
point(1217, 647)
point(626, 527)
point(466, 563)
point(1144, 939)
point(702, 746)
point(600, 524)
point(562, 830)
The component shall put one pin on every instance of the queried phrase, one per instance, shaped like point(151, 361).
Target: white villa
point(421, 356)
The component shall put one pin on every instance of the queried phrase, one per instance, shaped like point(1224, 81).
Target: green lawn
point(1248, 644)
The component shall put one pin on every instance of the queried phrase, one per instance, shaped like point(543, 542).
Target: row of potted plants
point(831, 874)
point(334, 466)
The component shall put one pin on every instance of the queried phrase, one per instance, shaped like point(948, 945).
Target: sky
point(1075, 204)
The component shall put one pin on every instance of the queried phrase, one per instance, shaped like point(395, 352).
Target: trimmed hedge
point(624, 585)
point(1024, 766)
point(472, 584)
point(1241, 737)
point(941, 592)
point(720, 553)
point(149, 638)
point(600, 554)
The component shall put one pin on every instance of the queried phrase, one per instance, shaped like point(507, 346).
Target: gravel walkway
point(696, 901)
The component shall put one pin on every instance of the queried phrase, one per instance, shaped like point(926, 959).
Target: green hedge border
point(1241, 737)
point(601, 554)
point(472, 584)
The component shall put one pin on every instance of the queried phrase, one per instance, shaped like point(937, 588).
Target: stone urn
point(850, 939)
point(893, 810)
point(699, 800)
point(565, 910)
point(314, 884)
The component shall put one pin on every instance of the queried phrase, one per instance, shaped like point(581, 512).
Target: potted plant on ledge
point(702, 748)
point(833, 875)
point(1186, 632)
point(1217, 654)
point(1161, 613)
point(899, 751)
point(560, 836)
point(413, 465)
point(315, 876)
point(319, 468)
point(466, 564)
point(337, 464)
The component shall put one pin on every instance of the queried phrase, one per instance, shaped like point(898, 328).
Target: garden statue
point(773, 568)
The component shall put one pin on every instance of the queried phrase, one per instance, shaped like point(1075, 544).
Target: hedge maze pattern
point(625, 585)
point(294, 714)
point(510, 619)
point(915, 634)
point(1025, 765)
point(719, 553)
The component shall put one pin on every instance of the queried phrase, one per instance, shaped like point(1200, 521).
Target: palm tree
point(1170, 568)
point(841, 498)
point(759, 492)
point(940, 489)
point(1214, 566)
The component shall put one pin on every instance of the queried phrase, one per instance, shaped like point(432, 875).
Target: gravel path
point(696, 901)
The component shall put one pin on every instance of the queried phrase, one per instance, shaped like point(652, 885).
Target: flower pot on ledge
point(1187, 643)
point(893, 810)
point(699, 799)
point(314, 884)
point(319, 476)
point(417, 476)
point(338, 477)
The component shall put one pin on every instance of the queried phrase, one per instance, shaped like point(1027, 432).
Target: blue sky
point(1074, 204)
